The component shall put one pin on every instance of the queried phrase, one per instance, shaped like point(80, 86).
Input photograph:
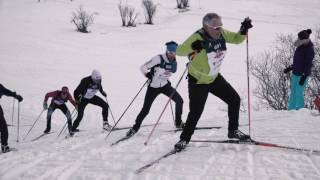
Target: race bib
point(163, 74)
point(215, 60)
point(58, 102)
point(90, 93)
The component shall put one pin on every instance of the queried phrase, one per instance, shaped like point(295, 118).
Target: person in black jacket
point(85, 94)
point(301, 69)
point(3, 124)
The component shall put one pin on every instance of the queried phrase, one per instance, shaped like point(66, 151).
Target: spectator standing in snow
point(206, 48)
point(158, 70)
point(301, 69)
point(84, 94)
point(3, 124)
point(59, 98)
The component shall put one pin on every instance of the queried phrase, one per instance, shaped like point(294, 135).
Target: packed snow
point(40, 51)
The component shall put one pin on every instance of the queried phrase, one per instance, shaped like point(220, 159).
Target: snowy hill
point(40, 51)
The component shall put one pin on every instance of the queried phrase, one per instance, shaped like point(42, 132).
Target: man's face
point(64, 95)
point(214, 28)
point(171, 55)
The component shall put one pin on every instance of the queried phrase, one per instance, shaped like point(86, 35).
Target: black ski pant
point(198, 94)
point(96, 100)
point(3, 129)
point(151, 94)
point(65, 111)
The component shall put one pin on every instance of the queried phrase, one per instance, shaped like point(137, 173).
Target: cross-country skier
point(3, 124)
point(158, 70)
point(59, 98)
point(207, 49)
point(85, 94)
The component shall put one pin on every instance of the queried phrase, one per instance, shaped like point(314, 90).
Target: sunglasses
point(214, 27)
point(171, 52)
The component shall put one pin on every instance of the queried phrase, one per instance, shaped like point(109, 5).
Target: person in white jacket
point(158, 70)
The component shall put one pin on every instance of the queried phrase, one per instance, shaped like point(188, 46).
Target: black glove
point(19, 97)
point(104, 94)
point(78, 100)
point(302, 80)
point(197, 45)
point(288, 69)
point(245, 26)
point(149, 75)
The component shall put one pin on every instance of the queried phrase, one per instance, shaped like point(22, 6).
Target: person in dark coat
point(3, 124)
point(85, 94)
point(301, 69)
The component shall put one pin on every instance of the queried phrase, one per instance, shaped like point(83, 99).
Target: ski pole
point(33, 123)
point(18, 122)
point(157, 122)
point(172, 113)
point(248, 84)
point(13, 110)
point(65, 124)
point(127, 108)
point(111, 112)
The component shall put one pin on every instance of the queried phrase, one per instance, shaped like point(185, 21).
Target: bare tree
point(127, 14)
point(132, 16)
point(82, 20)
point(273, 85)
point(150, 9)
point(182, 4)
point(123, 13)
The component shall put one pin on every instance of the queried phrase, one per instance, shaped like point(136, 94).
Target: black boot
point(131, 132)
point(106, 126)
point(179, 146)
point(180, 125)
point(237, 134)
point(47, 130)
point(5, 148)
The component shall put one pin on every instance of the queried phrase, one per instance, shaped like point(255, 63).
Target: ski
point(259, 143)
point(197, 128)
point(123, 128)
point(128, 127)
point(40, 136)
point(116, 129)
point(138, 171)
point(120, 140)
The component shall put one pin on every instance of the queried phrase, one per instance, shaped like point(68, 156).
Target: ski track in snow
point(89, 156)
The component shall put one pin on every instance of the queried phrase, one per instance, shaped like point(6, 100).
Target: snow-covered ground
point(40, 51)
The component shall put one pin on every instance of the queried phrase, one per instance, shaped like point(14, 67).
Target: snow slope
point(40, 51)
